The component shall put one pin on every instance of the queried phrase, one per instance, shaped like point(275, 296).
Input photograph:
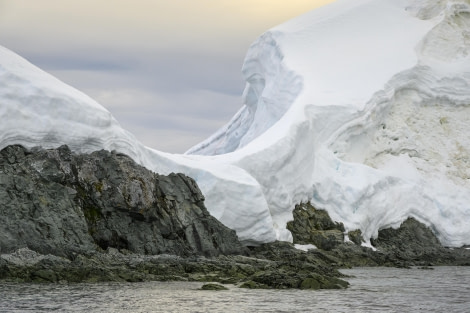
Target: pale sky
point(169, 71)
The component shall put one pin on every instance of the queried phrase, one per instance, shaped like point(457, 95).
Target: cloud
point(169, 71)
point(191, 116)
point(196, 26)
point(176, 71)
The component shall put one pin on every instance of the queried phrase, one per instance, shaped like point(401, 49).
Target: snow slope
point(36, 109)
point(361, 107)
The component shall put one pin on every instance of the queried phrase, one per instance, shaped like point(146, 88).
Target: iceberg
point(360, 107)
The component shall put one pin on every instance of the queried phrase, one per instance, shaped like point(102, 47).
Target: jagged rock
point(251, 272)
point(313, 226)
point(356, 237)
point(412, 244)
point(56, 202)
point(293, 268)
point(412, 236)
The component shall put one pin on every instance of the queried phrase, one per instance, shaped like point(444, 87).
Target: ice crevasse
point(361, 107)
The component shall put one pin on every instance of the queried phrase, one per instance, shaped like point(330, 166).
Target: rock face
point(56, 202)
point(312, 226)
point(412, 244)
point(415, 242)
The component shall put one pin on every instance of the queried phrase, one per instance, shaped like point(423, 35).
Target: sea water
point(441, 289)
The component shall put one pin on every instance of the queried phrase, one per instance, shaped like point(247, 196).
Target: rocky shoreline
point(301, 271)
point(412, 244)
point(100, 217)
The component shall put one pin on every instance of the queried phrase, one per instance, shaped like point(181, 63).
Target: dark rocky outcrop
point(213, 287)
point(101, 217)
point(356, 237)
point(312, 226)
point(412, 244)
point(56, 202)
point(293, 268)
point(301, 270)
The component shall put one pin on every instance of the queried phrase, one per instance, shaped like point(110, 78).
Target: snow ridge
point(269, 92)
point(35, 106)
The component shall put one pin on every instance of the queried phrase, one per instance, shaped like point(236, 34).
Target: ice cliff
point(360, 107)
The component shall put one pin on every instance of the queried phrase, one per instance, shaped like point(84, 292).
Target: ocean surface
point(442, 289)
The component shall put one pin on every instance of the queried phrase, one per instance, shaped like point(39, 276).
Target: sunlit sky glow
point(169, 71)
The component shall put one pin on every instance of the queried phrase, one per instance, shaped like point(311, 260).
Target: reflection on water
point(444, 289)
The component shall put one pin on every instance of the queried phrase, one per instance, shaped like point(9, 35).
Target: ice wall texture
point(361, 107)
point(379, 130)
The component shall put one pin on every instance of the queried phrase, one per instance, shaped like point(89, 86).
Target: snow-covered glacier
point(361, 107)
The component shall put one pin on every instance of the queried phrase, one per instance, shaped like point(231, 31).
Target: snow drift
point(360, 107)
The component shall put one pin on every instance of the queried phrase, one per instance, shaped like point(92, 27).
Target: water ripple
point(444, 289)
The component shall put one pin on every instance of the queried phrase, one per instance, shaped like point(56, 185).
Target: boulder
point(414, 243)
point(356, 237)
point(215, 287)
point(314, 226)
